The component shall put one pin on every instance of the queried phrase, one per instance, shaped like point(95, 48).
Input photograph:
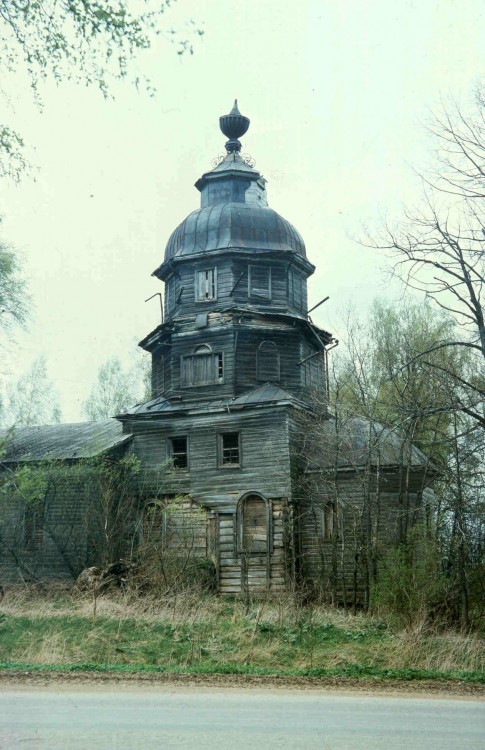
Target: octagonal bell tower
point(235, 275)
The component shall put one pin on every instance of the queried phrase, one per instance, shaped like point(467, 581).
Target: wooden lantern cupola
point(235, 275)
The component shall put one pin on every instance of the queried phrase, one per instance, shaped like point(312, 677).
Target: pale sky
point(335, 90)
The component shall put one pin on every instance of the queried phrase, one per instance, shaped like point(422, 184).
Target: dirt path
point(428, 688)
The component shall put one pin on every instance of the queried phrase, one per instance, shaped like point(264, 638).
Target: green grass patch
point(221, 637)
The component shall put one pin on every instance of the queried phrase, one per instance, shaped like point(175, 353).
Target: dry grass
point(61, 627)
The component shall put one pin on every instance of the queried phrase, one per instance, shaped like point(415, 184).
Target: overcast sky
point(335, 90)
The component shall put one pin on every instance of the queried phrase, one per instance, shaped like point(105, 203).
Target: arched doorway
point(254, 541)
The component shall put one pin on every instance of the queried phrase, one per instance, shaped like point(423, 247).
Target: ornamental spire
point(233, 125)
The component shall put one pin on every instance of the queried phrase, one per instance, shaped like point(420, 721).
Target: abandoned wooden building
point(238, 370)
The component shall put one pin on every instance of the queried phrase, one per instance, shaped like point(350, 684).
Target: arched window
point(203, 367)
point(268, 362)
point(154, 522)
point(254, 525)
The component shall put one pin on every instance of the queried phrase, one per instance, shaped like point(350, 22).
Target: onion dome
point(233, 226)
point(234, 212)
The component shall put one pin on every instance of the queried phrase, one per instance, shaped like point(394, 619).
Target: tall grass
point(211, 634)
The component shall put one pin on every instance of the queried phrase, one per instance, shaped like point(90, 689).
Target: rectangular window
point(311, 367)
point(295, 290)
point(229, 449)
point(330, 521)
point(179, 454)
point(202, 368)
point(206, 285)
point(259, 282)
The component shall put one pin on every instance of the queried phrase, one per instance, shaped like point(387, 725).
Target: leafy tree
point(32, 400)
point(380, 375)
point(13, 293)
point(115, 390)
point(86, 41)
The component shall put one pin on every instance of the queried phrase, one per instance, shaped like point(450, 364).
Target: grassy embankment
point(214, 636)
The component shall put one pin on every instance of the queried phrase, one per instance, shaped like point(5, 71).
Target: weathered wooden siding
point(62, 549)
point(287, 292)
point(264, 449)
point(254, 572)
point(367, 517)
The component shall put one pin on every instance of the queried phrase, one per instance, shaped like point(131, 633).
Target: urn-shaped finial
point(233, 125)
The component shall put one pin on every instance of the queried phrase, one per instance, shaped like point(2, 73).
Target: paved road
point(149, 718)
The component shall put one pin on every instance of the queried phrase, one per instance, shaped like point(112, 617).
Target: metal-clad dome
point(233, 226)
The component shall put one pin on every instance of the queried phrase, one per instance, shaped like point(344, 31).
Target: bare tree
point(363, 492)
point(439, 248)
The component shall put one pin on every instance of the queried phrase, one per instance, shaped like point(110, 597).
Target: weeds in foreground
point(210, 634)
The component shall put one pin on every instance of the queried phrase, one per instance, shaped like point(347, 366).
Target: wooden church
point(237, 426)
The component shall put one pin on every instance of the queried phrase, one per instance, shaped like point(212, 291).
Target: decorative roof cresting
point(234, 125)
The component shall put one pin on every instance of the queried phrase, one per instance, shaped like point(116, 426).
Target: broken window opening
point(179, 452)
point(230, 449)
point(206, 285)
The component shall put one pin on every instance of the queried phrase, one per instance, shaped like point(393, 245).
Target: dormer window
point(206, 285)
point(203, 367)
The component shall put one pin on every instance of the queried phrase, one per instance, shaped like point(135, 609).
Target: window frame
point(220, 450)
point(253, 292)
point(171, 453)
point(296, 290)
point(218, 366)
point(330, 521)
point(33, 527)
point(198, 271)
point(259, 353)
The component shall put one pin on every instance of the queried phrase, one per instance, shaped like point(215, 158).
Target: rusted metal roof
point(60, 441)
point(269, 393)
point(353, 442)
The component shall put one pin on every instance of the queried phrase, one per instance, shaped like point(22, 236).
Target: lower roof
point(60, 441)
point(267, 394)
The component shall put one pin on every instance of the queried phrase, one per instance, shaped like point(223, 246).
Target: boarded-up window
point(154, 522)
point(268, 362)
point(34, 527)
point(172, 293)
point(311, 367)
point(255, 522)
point(330, 521)
point(295, 290)
point(206, 285)
point(177, 525)
point(203, 367)
point(259, 282)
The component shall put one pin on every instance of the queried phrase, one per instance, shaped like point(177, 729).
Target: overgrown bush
point(411, 586)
